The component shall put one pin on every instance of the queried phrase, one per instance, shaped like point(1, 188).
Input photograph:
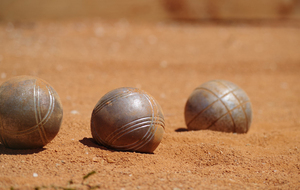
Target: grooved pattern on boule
point(104, 103)
point(134, 125)
point(134, 129)
point(226, 109)
point(40, 122)
point(218, 99)
point(145, 139)
point(37, 110)
point(31, 113)
point(240, 104)
point(152, 129)
point(111, 99)
point(150, 122)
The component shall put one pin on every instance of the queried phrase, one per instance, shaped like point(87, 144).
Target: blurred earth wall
point(22, 10)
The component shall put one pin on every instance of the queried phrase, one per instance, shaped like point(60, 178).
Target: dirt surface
point(85, 59)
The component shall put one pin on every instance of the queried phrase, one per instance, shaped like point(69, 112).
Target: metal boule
point(218, 105)
point(128, 119)
point(30, 113)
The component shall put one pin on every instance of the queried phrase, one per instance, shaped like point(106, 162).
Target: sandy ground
point(84, 59)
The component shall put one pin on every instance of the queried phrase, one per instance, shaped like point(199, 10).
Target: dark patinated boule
point(30, 113)
point(218, 105)
point(128, 119)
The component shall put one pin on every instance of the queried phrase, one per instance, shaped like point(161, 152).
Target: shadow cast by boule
point(90, 142)
point(9, 151)
point(179, 130)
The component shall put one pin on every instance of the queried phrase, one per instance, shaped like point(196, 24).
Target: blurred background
point(11, 10)
point(85, 48)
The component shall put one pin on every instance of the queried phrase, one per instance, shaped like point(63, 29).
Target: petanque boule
point(128, 119)
point(218, 105)
point(30, 113)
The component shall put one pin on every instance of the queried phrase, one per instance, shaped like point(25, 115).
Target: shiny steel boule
point(128, 119)
point(218, 105)
point(30, 113)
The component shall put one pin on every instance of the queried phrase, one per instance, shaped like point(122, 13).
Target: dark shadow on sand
point(90, 142)
point(9, 151)
point(181, 130)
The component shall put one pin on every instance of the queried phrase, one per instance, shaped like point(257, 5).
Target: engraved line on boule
point(36, 100)
point(147, 135)
point(230, 114)
point(206, 89)
point(242, 108)
point(224, 84)
point(228, 111)
point(132, 146)
point(133, 128)
point(155, 127)
point(136, 128)
point(129, 146)
point(43, 121)
point(34, 103)
point(38, 113)
point(120, 131)
point(51, 107)
point(103, 104)
point(210, 105)
point(152, 129)
point(111, 99)
point(112, 135)
point(227, 86)
point(226, 114)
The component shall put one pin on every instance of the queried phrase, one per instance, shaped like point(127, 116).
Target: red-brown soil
point(84, 59)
